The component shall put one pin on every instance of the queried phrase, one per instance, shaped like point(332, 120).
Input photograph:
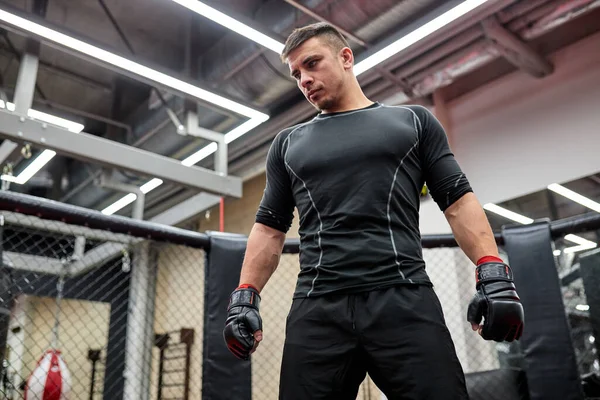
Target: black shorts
point(398, 335)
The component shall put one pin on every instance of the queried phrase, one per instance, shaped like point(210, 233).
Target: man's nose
point(306, 80)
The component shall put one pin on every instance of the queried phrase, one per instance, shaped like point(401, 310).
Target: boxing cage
point(556, 358)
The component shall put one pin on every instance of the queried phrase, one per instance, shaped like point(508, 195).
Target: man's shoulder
point(419, 110)
point(283, 134)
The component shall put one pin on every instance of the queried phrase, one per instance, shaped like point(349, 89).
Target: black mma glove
point(497, 302)
point(243, 320)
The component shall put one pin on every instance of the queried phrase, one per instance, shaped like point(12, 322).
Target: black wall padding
point(223, 375)
point(589, 267)
point(549, 357)
point(498, 384)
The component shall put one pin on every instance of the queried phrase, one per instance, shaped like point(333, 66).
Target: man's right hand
point(243, 327)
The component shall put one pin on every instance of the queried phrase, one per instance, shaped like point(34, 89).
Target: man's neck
point(353, 103)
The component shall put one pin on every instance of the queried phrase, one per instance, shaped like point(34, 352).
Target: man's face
point(318, 72)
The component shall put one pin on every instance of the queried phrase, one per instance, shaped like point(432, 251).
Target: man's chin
point(322, 105)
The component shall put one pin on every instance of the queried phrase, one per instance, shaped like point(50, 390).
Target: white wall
point(518, 134)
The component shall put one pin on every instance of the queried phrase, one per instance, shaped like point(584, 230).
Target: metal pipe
point(518, 9)
point(80, 216)
point(448, 48)
point(86, 114)
point(563, 13)
point(458, 57)
point(318, 17)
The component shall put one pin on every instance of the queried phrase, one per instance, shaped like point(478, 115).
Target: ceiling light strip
point(127, 65)
point(415, 36)
point(576, 197)
point(232, 24)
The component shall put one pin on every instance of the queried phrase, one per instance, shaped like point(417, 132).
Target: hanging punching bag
point(50, 380)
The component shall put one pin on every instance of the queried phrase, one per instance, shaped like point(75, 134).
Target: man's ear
point(347, 57)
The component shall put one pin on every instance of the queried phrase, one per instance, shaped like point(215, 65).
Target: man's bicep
point(443, 175)
point(276, 209)
point(446, 182)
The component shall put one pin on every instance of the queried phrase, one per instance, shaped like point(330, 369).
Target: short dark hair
point(320, 29)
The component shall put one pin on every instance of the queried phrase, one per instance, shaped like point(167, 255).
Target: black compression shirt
point(356, 178)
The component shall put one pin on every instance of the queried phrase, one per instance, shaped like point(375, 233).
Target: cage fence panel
point(178, 324)
point(64, 283)
point(97, 304)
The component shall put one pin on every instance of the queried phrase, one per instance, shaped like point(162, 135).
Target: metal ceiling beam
point(517, 52)
point(187, 209)
point(94, 149)
point(319, 17)
point(6, 149)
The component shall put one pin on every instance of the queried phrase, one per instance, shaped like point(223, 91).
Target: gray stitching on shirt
point(455, 186)
point(316, 267)
point(416, 119)
point(388, 209)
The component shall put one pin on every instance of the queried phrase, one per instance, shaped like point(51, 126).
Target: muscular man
point(363, 302)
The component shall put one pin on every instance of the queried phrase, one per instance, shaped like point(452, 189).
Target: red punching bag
point(50, 380)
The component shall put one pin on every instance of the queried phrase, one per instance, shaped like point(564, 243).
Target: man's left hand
point(497, 302)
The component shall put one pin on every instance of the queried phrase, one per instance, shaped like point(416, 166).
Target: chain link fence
point(120, 316)
point(98, 315)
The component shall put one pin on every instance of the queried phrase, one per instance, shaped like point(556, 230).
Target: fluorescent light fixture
point(127, 65)
point(582, 307)
point(582, 247)
point(54, 120)
point(46, 155)
point(576, 197)
point(232, 24)
point(151, 185)
point(582, 244)
point(117, 205)
point(557, 253)
point(32, 168)
point(242, 129)
point(416, 35)
point(579, 240)
point(362, 66)
point(131, 197)
point(49, 118)
point(200, 154)
point(508, 214)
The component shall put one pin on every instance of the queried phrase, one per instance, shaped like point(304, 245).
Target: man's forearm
point(471, 228)
point(263, 253)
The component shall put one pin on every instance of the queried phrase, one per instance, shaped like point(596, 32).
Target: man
point(363, 302)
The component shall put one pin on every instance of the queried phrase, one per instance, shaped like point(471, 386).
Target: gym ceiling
point(498, 38)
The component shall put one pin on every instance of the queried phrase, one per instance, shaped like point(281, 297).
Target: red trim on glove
point(247, 286)
point(489, 259)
